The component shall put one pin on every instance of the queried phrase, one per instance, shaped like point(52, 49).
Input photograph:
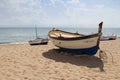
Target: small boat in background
point(112, 37)
point(38, 41)
point(76, 43)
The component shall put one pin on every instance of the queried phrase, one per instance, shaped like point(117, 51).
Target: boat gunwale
point(73, 38)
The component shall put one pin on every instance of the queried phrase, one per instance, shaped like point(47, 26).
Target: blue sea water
point(20, 35)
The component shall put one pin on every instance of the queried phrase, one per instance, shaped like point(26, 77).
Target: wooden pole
point(99, 33)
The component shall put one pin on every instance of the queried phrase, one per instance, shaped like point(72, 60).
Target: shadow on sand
point(89, 61)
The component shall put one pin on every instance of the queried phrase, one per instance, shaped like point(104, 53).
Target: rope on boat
point(103, 55)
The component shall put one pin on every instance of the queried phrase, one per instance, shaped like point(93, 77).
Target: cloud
point(21, 11)
point(57, 12)
point(74, 1)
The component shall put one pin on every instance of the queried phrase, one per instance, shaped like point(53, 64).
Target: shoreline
point(7, 43)
point(14, 43)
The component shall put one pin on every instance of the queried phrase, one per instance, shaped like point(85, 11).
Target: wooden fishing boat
point(110, 37)
point(76, 43)
point(38, 41)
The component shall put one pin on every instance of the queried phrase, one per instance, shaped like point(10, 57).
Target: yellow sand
point(25, 62)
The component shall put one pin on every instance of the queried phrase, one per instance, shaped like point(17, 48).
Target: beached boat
point(111, 37)
point(38, 41)
point(76, 43)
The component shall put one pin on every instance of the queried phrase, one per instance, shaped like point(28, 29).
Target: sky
point(80, 13)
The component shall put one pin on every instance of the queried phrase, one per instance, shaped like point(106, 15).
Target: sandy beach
point(44, 62)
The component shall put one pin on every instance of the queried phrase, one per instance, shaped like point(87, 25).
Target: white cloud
point(74, 1)
point(59, 12)
point(22, 11)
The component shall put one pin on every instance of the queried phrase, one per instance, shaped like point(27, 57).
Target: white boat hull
point(75, 44)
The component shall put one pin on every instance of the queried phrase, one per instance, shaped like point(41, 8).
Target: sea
point(14, 35)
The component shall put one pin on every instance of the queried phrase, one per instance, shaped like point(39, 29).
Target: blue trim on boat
point(89, 51)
